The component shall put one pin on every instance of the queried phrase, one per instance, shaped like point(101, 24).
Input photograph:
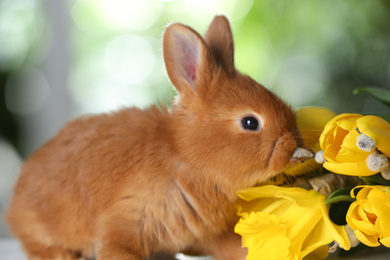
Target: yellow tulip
point(311, 122)
point(286, 223)
point(369, 215)
point(339, 143)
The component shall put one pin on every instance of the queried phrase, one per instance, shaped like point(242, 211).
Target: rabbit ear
point(187, 59)
point(219, 38)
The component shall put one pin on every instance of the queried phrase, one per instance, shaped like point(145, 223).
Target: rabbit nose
point(302, 154)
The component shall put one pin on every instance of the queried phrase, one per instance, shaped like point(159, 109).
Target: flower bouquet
point(338, 199)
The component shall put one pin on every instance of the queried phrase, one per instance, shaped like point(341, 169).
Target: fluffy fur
point(135, 183)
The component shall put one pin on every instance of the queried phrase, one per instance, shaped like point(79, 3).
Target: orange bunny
point(135, 183)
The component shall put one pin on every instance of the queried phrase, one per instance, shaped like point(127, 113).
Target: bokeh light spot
point(199, 9)
point(129, 59)
point(301, 79)
point(16, 19)
point(130, 14)
point(87, 16)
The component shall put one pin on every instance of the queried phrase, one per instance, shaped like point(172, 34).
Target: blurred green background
point(60, 59)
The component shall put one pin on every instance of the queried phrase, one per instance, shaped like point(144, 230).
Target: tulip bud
point(319, 157)
point(365, 143)
point(386, 172)
point(376, 162)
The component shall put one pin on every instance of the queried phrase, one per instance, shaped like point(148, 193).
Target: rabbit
point(134, 183)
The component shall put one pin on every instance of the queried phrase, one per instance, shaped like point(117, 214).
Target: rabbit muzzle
point(284, 147)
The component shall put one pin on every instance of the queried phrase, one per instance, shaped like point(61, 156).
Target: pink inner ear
point(191, 71)
point(189, 59)
point(185, 53)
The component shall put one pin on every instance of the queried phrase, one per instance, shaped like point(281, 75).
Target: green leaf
point(340, 195)
point(376, 179)
point(380, 94)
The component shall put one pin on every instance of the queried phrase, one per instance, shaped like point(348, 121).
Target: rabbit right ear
point(219, 38)
point(188, 61)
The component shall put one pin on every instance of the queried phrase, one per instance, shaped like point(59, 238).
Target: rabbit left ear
point(188, 61)
point(219, 39)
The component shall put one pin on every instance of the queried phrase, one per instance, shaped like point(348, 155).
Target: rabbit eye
point(250, 123)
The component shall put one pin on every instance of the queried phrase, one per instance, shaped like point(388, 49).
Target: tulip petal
point(302, 197)
point(256, 235)
point(378, 200)
point(378, 203)
point(321, 252)
point(349, 151)
point(362, 194)
point(302, 168)
point(311, 121)
point(365, 227)
point(385, 241)
point(335, 131)
point(330, 152)
point(301, 222)
point(338, 136)
point(348, 122)
point(352, 214)
point(267, 205)
point(331, 124)
point(327, 133)
point(369, 215)
point(367, 240)
point(245, 207)
point(334, 143)
point(315, 242)
point(337, 232)
point(271, 191)
point(363, 214)
point(299, 211)
point(349, 168)
point(378, 129)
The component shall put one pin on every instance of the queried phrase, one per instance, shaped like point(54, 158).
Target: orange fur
point(135, 183)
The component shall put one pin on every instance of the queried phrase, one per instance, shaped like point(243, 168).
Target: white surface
point(10, 250)
point(10, 163)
